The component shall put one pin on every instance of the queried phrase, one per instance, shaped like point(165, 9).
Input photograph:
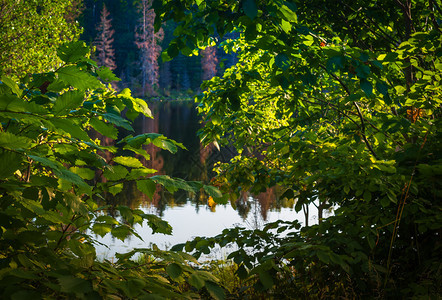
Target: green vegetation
point(31, 32)
point(52, 176)
point(338, 104)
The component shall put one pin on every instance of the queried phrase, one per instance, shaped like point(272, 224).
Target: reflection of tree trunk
point(204, 155)
point(321, 207)
point(265, 200)
point(306, 211)
point(156, 161)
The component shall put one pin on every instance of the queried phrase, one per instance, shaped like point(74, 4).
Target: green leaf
point(385, 201)
point(73, 51)
point(78, 79)
point(174, 270)
point(266, 279)
point(25, 295)
point(74, 202)
point(212, 191)
point(166, 145)
point(107, 220)
point(121, 232)
point(282, 61)
point(196, 281)
point(382, 88)
point(115, 189)
point(366, 87)
point(323, 256)
point(250, 8)
point(157, 224)
point(172, 184)
point(32, 205)
point(12, 85)
point(67, 101)
point(118, 121)
point(371, 242)
point(140, 105)
point(215, 290)
point(9, 162)
point(69, 176)
point(147, 187)
point(71, 284)
point(84, 173)
point(242, 272)
point(286, 26)
point(115, 173)
point(128, 161)
point(367, 196)
point(103, 128)
point(14, 142)
point(68, 126)
point(288, 12)
point(106, 74)
point(101, 228)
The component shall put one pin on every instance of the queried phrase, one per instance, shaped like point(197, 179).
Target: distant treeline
point(140, 68)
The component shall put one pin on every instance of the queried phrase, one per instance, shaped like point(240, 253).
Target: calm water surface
point(189, 216)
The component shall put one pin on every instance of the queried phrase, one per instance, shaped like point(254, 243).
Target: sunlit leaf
point(128, 161)
point(147, 186)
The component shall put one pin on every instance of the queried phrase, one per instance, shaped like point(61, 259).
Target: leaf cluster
point(53, 174)
point(339, 105)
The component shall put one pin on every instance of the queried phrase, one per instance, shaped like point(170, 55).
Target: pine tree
point(209, 62)
point(149, 43)
point(105, 53)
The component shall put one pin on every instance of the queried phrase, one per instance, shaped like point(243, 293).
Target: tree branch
point(345, 87)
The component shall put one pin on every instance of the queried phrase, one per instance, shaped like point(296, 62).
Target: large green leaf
point(72, 284)
point(11, 84)
point(107, 75)
point(172, 184)
point(68, 101)
point(14, 142)
point(157, 224)
point(73, 51)
point(77, 78)
point(105, 129)
point(147, 186)
point(70, 127)
point(128, 161)
point(196, 281)
point(174, 270)
point(118, 121)
point(215, 290)
point(9, 162)
point(115, 173)
point(101, 228)
point(121, 232)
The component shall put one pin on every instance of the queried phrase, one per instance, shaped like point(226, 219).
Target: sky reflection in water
point(189, 217)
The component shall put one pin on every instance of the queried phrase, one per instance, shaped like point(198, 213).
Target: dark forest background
point(179, 78)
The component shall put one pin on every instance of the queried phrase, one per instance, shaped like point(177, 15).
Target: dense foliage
point(135, 57)
point(339, 103)
point(31, 32)
point(53, 174)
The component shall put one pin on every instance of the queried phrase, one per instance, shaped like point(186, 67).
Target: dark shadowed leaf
point(250, 8)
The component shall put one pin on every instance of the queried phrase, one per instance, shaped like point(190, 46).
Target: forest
point(336, 103)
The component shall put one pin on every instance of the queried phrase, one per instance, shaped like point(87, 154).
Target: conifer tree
point(149, 43)
point(105, 53)
point(209, 61)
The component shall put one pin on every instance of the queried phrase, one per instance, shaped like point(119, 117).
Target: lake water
point(190, 216)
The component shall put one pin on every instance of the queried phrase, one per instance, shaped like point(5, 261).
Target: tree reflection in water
point(179, 121)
